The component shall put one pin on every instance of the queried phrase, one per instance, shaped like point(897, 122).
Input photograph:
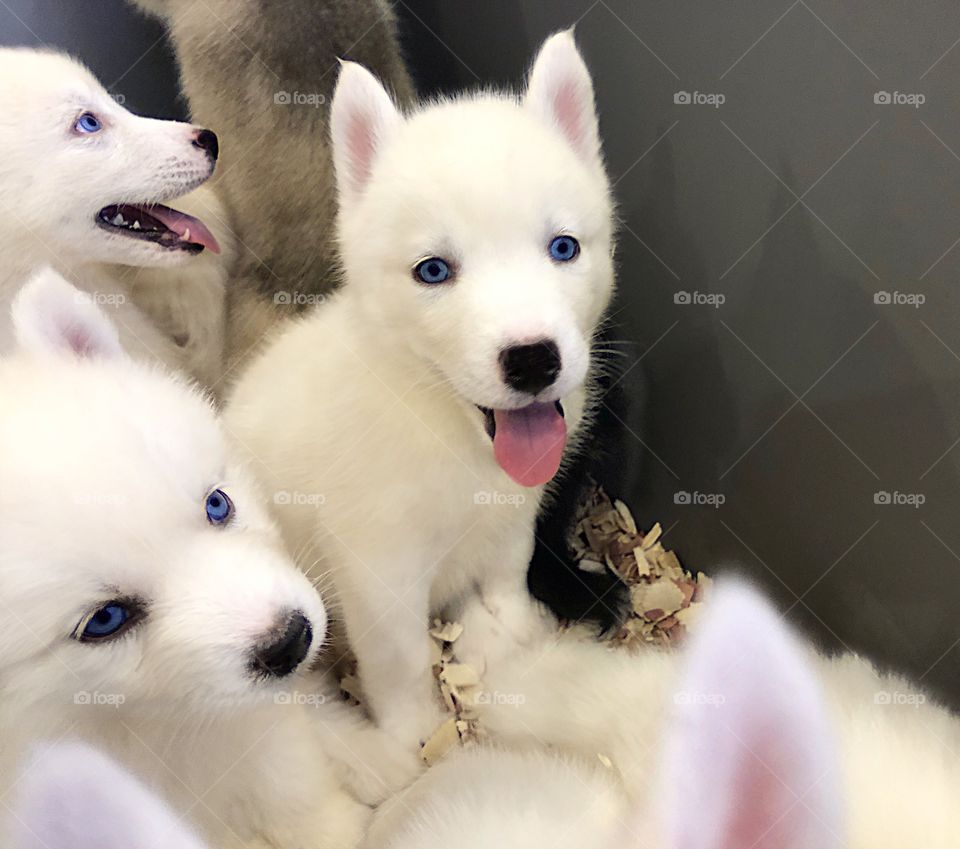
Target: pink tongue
point(529, 443)
point(180, 223)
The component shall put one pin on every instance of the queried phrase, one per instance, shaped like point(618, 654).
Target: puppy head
point(84, 179)
point(138, 562)
point(482, 226)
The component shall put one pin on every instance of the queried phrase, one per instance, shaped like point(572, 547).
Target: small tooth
point(118, 220)
point(186, 235)
point(136, 225)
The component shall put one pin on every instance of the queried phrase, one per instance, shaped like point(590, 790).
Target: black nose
point(287, 651)
point(531, 368)
point(207, 140)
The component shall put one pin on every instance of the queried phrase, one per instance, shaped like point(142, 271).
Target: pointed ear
point(561, 91)
point(71, 796)
point(52, 317)
point(750, 754)
point(362, 118)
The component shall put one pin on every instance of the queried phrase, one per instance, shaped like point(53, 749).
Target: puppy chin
point(116, 250)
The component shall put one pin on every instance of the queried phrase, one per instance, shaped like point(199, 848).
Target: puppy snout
point(531, 368)
point(286, 648)
point(206, 140)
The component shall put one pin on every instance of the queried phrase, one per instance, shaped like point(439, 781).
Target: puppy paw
point(412, 725)
point(484, 639)
point(518, 615)
point(333, 822)
point(382, 768)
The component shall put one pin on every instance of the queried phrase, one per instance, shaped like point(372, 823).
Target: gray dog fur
point(275, 173)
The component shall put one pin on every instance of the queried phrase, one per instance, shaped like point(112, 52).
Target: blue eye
point(88, 123)
point(219, 507)
point(564, 248)
point(433, 270)
point(106, 622)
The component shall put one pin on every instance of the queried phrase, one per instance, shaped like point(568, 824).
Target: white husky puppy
point(476, 239)
point(757, 744)
point(84, 182)
point(156, 613)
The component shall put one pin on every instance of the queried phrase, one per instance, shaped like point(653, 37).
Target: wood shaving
point(443, 740)
point(457, 683)
point(665, 597)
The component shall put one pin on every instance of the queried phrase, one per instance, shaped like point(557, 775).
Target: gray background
point(798, 200)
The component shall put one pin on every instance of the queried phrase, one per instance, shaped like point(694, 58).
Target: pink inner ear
point(752, 763)
point(74, 335)
point(766, 809)
point(79, 340)
point(568, 111)
point(361, 143)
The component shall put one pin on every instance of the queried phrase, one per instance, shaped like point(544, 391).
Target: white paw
point(338, 822)
point(525, 621)
point(484, 638)
point(382, 768)
point(411, 724)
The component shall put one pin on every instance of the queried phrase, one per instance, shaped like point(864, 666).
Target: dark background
point(798, 200)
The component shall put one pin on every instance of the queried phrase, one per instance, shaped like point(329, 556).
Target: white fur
point(363, 419)
point(167, 304)
point(105, 465)
point(752, 741)
point(72, 797)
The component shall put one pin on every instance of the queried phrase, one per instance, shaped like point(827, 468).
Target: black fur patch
point(554, 577)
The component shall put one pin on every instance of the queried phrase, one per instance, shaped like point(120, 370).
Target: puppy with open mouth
point(409, 427)
point(100, 194)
